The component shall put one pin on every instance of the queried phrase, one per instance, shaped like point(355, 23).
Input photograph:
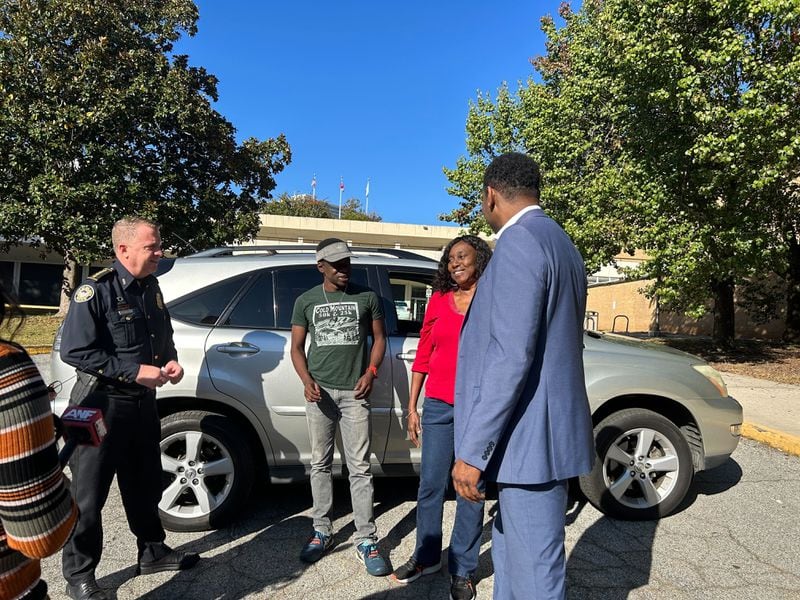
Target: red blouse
point(438, 346)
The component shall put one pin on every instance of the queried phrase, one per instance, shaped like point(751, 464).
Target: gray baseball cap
point(333, 251)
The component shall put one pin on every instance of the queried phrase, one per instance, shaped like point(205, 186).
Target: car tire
point(643, 468)
point(207, 470)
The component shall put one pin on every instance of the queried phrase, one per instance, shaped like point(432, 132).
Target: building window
point(40, 284)
point(7, 275)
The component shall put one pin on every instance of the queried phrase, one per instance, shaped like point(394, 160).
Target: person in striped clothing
point(37, 514)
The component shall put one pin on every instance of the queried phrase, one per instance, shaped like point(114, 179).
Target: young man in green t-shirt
point(337, 375)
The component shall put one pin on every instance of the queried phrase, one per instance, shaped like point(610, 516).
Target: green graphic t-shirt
point(338, 326)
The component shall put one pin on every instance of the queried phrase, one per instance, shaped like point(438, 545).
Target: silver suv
point(660, 415)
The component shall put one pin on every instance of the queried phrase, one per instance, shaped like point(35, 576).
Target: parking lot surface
point(736, 537)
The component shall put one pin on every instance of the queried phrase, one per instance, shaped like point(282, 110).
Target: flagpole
point(341, 191)
point(314, 186)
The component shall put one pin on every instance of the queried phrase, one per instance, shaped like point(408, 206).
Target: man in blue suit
point(521, 413)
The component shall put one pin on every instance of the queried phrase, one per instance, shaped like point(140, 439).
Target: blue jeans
point(437, 460)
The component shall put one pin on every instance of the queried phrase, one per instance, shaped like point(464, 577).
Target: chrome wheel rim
point(641, 468)
point(198, 474)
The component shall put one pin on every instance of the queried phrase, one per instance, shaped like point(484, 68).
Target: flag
point(366, 192)
point(314, 181)
point(341, 184)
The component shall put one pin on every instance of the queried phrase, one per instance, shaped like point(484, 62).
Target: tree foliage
point(298, 205)
point(304, 205)
point(99, 119)
point(352, 211)
point(669, 125)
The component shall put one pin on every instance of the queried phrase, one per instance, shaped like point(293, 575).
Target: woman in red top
point(462, 263)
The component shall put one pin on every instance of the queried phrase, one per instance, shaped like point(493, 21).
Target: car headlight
point(714, 377)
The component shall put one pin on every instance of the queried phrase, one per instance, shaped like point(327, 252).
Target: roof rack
point(271, 250)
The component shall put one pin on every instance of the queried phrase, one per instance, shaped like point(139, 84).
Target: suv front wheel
point(207, 470)
point(643, 467)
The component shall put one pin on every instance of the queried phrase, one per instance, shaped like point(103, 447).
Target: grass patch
point(36, 333)
point(775, 361)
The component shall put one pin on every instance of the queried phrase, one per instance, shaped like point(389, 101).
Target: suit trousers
point(528, 542)
point(131, 451)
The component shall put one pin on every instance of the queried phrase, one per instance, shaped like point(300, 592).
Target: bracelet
point(374, 370)
point(406, 413)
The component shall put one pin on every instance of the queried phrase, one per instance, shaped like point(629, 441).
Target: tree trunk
point(69, 281)
point(724, 330)
point(792, 331)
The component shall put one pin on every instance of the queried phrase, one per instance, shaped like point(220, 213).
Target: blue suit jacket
point(521, 411)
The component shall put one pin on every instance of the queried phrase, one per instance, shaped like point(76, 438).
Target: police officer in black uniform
point(118, 336)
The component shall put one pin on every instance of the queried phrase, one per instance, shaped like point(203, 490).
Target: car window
point(410, 293)
point(206, 306)
point(293, 281)
point(256, 308)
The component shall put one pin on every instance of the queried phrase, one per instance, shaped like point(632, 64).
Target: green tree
point(352, 211)
point(564, 122)
point(99, 119)
point(298, 205)
point(711, 89)
point(667, 125)
point(304, 205)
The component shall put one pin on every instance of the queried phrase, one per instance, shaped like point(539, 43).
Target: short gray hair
point(125, 229)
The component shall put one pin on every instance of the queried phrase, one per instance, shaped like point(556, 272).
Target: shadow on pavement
point(261, 551)
point(612, 557)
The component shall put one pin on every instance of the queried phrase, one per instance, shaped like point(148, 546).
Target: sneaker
point(412, 570)
point(315, 547)
point(368, 554)
point(462, 588)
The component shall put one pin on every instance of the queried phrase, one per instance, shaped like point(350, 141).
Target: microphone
point(81, 426)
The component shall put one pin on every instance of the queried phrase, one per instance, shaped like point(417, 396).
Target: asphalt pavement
point(733, 538)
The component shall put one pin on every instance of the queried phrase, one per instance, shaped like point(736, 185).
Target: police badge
point(159, 301)
point(84, 293)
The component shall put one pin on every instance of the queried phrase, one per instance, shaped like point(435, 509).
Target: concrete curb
point(32, 350)
point(784, 442)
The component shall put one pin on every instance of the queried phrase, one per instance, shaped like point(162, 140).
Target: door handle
point(238, 348)
point(407, 355)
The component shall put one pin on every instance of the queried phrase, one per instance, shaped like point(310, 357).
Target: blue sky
point(365, 89)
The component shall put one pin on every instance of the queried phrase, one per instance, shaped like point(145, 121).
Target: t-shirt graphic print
point(336, 324)
point(339, 333)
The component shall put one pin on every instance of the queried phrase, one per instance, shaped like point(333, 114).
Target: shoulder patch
point(101, 274)
point(83, 293)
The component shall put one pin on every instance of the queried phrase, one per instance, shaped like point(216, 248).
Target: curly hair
point(443, 282)
point(513, 174)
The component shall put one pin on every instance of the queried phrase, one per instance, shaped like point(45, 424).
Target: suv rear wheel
point(643, 468)
point(207, 470)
